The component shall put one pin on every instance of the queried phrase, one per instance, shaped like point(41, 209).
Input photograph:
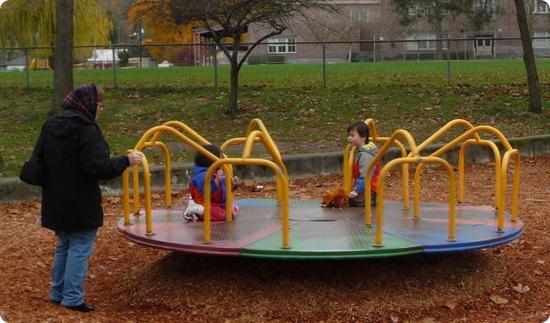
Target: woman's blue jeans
point(71, 264)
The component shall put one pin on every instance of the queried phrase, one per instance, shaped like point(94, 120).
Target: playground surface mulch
point(128, 282)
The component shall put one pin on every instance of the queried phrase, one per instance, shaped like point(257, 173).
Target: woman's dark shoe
point(81, 308)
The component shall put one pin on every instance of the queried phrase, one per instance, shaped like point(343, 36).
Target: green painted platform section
point(330, 240)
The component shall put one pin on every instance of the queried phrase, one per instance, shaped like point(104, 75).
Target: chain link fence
point(26, 66)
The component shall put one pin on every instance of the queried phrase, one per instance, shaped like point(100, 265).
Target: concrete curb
point(299, 166)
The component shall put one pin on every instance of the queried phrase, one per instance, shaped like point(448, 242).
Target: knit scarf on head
point(84, 99)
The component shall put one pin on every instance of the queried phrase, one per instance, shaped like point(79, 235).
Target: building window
point(483, 5)
point(425, 41)
point(426, 9)
point(281, 45)
point(541, 7)
point(359, 16)
point(541, 43)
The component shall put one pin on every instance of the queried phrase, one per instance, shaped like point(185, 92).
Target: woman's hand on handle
point(135, 158)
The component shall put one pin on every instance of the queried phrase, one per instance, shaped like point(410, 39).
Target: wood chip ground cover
point(128, 282)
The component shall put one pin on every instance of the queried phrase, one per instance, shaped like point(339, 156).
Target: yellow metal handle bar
point(371, 123)
point(473, 132)
point(404, 169)
point(380, 195)
point(282, 181)
point(515, 188)
point(167, 170)
point(178, 124)
point(182, 137)
point(275, 154)
point(349, 155)
point(391, 140)
point(147, 191)
point(444, 129)
point(461, 162)
point(247, 152)
point(234, 141)
point(161, 129)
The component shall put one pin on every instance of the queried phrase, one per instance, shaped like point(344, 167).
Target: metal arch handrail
point(468, 142)
point(380, 194)
point(147, 192)
point(449, 125)
point(147, 183)
point(178, 124)
point(515, 187)
point(499, 195)
point(349, 153)
point(193, 134)
point(247, 152)
point(398, 133)
point(371, 123)
point(467, 134)
point(275, 154)
point(234, 141)
point(282, 182)
point(167, 170)
point(461, 162)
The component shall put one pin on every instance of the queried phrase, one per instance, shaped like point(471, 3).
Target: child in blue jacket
point(195, 208)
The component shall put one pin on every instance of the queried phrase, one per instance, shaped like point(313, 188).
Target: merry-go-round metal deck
point(324, 233)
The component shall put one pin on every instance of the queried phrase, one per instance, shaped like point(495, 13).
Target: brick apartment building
point(376, 20)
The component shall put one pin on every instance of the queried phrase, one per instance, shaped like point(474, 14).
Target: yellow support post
point(135, 187)
point(125, 196)
point(349, 155)
point(147, 197)
point(228, 199)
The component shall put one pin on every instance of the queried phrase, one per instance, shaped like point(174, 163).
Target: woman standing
point(76, 157)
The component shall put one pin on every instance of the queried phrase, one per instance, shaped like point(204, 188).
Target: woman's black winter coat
point(76, 157)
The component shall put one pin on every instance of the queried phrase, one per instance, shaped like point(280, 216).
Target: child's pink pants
point(217, 213)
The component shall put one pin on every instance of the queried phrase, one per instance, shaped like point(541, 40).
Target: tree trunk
point(234, 93)
point(63, 53)
point(233, 107)
point(535, 102)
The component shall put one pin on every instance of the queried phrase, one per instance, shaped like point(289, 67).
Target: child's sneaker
point(188, 217)
point(193, 212)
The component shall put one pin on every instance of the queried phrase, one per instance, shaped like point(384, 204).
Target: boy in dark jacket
point(76, 157)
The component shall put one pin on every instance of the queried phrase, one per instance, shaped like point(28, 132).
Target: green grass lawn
point(289, 99)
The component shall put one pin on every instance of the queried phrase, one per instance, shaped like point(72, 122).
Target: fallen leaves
point(498, 300)
point(128, 282)
point(520, 288)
